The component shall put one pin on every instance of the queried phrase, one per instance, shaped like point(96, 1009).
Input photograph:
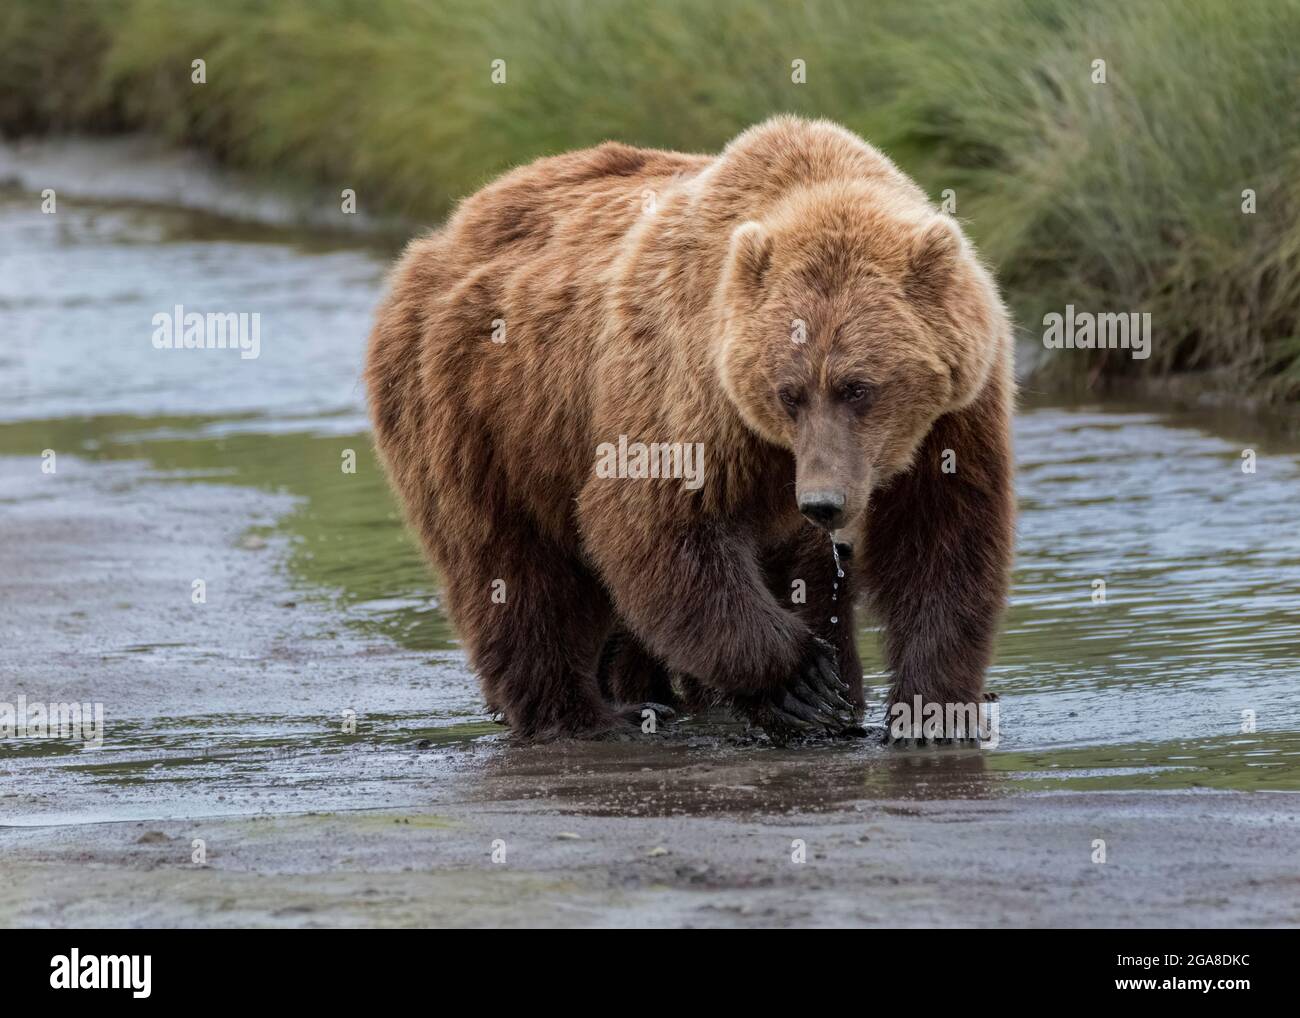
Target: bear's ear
point(934, 257)
point(750, 258)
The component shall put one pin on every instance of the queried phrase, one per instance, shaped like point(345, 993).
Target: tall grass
point(1129, 195)
point(1125, 196)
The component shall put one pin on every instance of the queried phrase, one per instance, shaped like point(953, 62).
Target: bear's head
point(852, 319)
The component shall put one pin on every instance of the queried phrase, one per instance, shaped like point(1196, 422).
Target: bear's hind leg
point(534, 621)
point(629, 674)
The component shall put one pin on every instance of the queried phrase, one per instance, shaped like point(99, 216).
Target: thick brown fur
point(628, 292)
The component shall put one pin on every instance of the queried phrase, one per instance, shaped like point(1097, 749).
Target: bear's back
point(578, 200)
point(485, 346)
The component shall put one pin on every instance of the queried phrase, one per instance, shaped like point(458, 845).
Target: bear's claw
point(824, 679)
point(925, 742)
point(814, 705)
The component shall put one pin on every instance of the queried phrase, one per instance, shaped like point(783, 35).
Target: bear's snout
point(823, 507)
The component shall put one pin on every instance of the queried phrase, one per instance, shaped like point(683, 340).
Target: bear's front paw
point(815, 703)
point(925, 742)
point(905, 736)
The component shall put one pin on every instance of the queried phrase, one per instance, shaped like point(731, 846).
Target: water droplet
point(835, 552)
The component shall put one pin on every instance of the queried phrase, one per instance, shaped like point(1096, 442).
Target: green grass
point(1117, 197)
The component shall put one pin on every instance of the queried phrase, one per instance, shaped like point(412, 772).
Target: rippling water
point(333, 609)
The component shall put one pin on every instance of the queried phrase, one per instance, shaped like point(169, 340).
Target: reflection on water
point(1148, 689)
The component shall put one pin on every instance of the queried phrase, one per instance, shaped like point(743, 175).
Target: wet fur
point(618, 322)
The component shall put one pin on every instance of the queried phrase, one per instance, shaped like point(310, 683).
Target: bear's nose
point(823, 507)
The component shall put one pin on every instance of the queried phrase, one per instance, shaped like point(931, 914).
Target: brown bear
point(625, 394)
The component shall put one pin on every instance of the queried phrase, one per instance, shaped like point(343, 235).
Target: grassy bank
point(1123, 196)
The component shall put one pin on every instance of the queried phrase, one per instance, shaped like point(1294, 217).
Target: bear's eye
point(790, 399)
point(859, 393)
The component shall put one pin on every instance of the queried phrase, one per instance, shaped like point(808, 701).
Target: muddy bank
point(1178, 860)
point(240, 702)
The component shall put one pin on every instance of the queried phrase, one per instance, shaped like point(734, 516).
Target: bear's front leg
point(938, 555)
point(694, 594)
point(803, 573)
